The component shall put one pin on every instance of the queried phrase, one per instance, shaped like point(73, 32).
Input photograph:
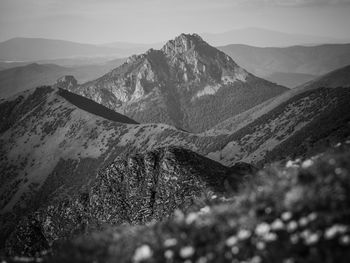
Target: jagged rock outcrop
point(67, 82)
point(187, 83)
point(151, 186)
point(135, 190)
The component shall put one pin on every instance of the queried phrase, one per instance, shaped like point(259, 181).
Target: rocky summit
point(188, 84)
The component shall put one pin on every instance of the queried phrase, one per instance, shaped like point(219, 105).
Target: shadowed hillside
point(94, 107)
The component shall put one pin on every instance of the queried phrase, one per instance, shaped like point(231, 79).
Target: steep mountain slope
point(290, 80)
point(296, 60)
point(187, 83)
point(21, 78)
point(134, 190)
point(300, 121)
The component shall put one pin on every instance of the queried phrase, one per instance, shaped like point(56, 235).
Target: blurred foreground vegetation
point(298, 211)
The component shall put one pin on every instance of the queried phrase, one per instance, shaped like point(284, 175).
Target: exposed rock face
point(151, 186)
point(67, 82)
point(135, 190)
point(187, 83)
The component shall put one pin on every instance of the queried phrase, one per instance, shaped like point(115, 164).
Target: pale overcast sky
point(148, 21)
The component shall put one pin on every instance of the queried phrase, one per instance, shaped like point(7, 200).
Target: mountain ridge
point(311, 60)
point(266, 38)
point(183, 81)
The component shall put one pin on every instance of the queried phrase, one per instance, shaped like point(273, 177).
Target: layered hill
point(290, 66)
point(35, 49)
point(54, 142)
point(302, 120)
point(262, 37)
point(33, 75)
point(48, 143)
point(188, 84)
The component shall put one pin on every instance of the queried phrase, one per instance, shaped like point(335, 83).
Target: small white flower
point(345, 240)
point(168, 254)
point(260, 245)
point(205, 210)
point(338, 171)
point(255, 259)
point(170, 242)
point(202, 260)
point(335, 230)
point(286, 216)
point(244, 234)
point(292, 164)
point(191, 217)
point(231, 241)
point(292, 226)
point(277, 224)
point(270, 237)
point(307, 163)
point(179, 215)
point(235, 250)
point(312, 216)
point(214, 196)
point(303, 221)
point(142, 253)
point(262, 229)
point(330, 233)
point(312, 239)
point(186, 252)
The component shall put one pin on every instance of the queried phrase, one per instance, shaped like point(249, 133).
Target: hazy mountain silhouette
point(291, 65)
point(21, 78)
point(266, 38)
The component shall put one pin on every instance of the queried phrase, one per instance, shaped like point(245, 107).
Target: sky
point(150, 21)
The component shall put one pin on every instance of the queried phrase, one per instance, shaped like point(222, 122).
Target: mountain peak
point(179, 83)
point(182, 44)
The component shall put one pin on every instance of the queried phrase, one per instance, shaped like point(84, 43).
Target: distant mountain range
point(267, 38)
point(290, 66)
point(25, 77)
point(187, 83)
point(36, 49)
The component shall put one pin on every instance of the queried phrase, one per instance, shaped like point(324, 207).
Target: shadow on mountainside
point(94, 107)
